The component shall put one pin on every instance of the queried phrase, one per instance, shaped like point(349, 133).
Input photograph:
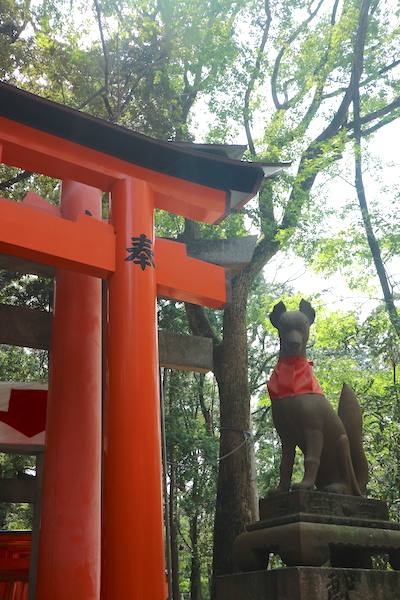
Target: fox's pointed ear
point(276, 314)
point(307, 309)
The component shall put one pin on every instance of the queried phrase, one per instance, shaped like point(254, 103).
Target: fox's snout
point(292, 339)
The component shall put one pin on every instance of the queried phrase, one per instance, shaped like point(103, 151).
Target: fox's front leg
point(286, 467)
point(312, 458)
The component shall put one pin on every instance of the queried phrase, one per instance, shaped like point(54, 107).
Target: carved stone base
point(310, 583)
point(307, 528)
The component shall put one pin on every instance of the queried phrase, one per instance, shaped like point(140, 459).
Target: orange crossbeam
point(189, 279)
point(87, 246)
point(14, 564)
point(41, 152)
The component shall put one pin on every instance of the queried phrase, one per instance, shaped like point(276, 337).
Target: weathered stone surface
point(310, 583)
point(18, 490)
point(20, 326)
point(22, 265)
point(311, 544)
point(309, 505)
point(307, 528)
point(185, 352)
point(233, 254)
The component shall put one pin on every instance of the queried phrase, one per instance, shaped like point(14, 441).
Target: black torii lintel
point(239, 179)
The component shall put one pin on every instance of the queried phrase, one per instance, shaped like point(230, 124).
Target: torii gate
point(140, 173)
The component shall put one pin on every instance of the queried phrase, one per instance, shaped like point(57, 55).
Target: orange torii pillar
point(69, 547)
point(133, 539)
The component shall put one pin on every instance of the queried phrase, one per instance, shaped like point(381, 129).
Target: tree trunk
point(234, 505)
point(176, 595)
point(255, 509)
point(195, 572)
point(366, 217)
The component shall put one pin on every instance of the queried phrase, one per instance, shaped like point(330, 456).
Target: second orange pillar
point(133, 538)
point(69, 546)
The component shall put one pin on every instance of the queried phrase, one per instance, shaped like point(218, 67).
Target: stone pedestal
point(327, 542)
point(308, 528)
point(310, 583)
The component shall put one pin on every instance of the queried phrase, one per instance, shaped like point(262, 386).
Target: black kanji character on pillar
point(141, 252)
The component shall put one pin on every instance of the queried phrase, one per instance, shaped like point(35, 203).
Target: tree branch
point(382, 71)
point(318, 97)
point(365, 82)
point(366, 217)
point(377, 114)
point(189, 94)
point(106, 60)
point(20, 177)
point(254, 383)
point(199, 322)
point(133, 84)
point(313, 158)
point(91, 97)
point(389, 119)
point(108, 107)
point(254, 77)
point(286, 45)
point(341, 115)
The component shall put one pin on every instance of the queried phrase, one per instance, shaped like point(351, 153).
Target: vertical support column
point(133, 534)
point(37, 512)
point(69, 548)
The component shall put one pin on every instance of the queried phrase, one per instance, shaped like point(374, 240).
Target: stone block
point(21, 326)
point(234, 253)
point(30, 327)
point(310, 583)
point(186, 352)
point(307, 528)
point(332, 507)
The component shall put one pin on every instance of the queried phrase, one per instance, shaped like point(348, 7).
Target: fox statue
point(334, 459)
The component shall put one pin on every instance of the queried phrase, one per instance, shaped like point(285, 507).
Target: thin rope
point(234, 450)
point(246, 435)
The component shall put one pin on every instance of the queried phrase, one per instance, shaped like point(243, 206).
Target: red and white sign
point(23, 413)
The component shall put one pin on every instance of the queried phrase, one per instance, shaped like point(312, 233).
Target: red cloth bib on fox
point(292, 376)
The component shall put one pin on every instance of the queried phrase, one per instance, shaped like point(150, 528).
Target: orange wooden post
point(133, 534)
point(69, 547)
